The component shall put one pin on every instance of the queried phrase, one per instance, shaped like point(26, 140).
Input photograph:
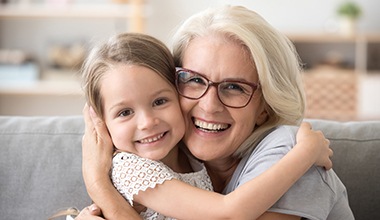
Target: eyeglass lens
point(231, 93)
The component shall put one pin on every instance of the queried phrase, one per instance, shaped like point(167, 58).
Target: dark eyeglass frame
point(254, 86)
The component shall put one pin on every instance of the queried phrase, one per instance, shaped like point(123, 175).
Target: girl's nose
point(147, 120)
point(210, 102)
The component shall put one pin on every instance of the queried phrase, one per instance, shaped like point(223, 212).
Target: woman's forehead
point(220, 57)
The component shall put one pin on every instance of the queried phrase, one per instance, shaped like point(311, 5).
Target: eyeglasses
point(232, 93)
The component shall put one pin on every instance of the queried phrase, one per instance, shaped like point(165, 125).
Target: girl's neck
point(178, 161)
point(221, 172)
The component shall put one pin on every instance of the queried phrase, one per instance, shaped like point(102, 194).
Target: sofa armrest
point(356, 160)
point(40, 164)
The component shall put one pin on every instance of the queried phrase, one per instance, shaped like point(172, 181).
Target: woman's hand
point(317, 143)
point(97, 150)
point(91, 212)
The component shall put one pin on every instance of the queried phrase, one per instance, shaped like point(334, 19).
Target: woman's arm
point(97, 150)
point(177, 199)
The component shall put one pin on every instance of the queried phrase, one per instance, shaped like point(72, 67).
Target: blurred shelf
point(52, 91)
point(373, 72)
point(333, 37)
point(326, 69)
point(53, 82)
point(359, 52)
point(67, 11)
point(133, 12)
point(61, 88)
point(58, 83)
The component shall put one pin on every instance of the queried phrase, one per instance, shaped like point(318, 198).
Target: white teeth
point(152, 139)
point(210, 126)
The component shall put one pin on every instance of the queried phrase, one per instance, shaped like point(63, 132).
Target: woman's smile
point(210, 127)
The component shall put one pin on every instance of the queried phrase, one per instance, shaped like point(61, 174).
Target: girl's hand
point(97, 150)
point(317, 143)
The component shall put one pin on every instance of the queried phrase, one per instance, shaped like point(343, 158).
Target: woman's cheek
point(186, 106)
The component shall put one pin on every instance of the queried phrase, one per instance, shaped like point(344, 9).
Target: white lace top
point(131, 174)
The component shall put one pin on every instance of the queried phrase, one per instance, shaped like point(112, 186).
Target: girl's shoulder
point(139, 164)
point(131, 173)
point(199, 177)
point(135, 164)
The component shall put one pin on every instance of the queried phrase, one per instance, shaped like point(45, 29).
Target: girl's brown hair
point(126, 48)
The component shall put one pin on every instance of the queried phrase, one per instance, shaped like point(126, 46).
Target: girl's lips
point(210, 127)
point(151, 139)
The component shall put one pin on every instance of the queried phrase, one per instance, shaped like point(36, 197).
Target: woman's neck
point(178, 161)
point(221, 172)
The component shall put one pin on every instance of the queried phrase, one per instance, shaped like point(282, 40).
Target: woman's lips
point(210, 127)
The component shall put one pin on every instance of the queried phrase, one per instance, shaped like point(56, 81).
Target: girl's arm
point(180, 200)
point(177, 199)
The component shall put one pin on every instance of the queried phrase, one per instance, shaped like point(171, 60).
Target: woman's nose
point(210, 102)
point(147, 120)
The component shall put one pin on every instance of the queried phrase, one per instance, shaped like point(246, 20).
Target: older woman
point(239, 136)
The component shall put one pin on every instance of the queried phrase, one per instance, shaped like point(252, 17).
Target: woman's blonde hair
point(125, 48)
point(272, 54)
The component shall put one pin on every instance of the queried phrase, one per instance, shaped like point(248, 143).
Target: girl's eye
point(159, 101)
point(125, 113)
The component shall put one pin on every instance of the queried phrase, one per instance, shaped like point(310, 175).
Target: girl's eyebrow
point(161, 91)
point(118, 104)
point(122, 102)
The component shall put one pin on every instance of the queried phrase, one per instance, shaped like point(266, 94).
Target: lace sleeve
point(131, 173)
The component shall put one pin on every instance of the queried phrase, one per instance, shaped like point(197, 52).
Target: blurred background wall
point(46, 31)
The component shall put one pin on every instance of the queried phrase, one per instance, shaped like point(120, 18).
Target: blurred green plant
point(350, 10)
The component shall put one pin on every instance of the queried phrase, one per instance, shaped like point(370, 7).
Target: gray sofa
point(40, 165)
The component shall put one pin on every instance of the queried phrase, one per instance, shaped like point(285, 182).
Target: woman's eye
point(190, 78)
point(232, 86)
point(160, 101)
point(197, 80)
point(125, 113)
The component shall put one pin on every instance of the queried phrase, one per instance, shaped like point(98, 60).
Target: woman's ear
point(263, 116)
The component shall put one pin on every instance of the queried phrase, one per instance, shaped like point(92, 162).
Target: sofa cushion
point(356, 160)
point(40, 164)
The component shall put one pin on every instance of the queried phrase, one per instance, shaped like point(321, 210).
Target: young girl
point(129, 82)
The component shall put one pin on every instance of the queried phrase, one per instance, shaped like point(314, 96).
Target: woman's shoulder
point(278, 142)
point(267, 152)
point(284, 130)
point(284, 135)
